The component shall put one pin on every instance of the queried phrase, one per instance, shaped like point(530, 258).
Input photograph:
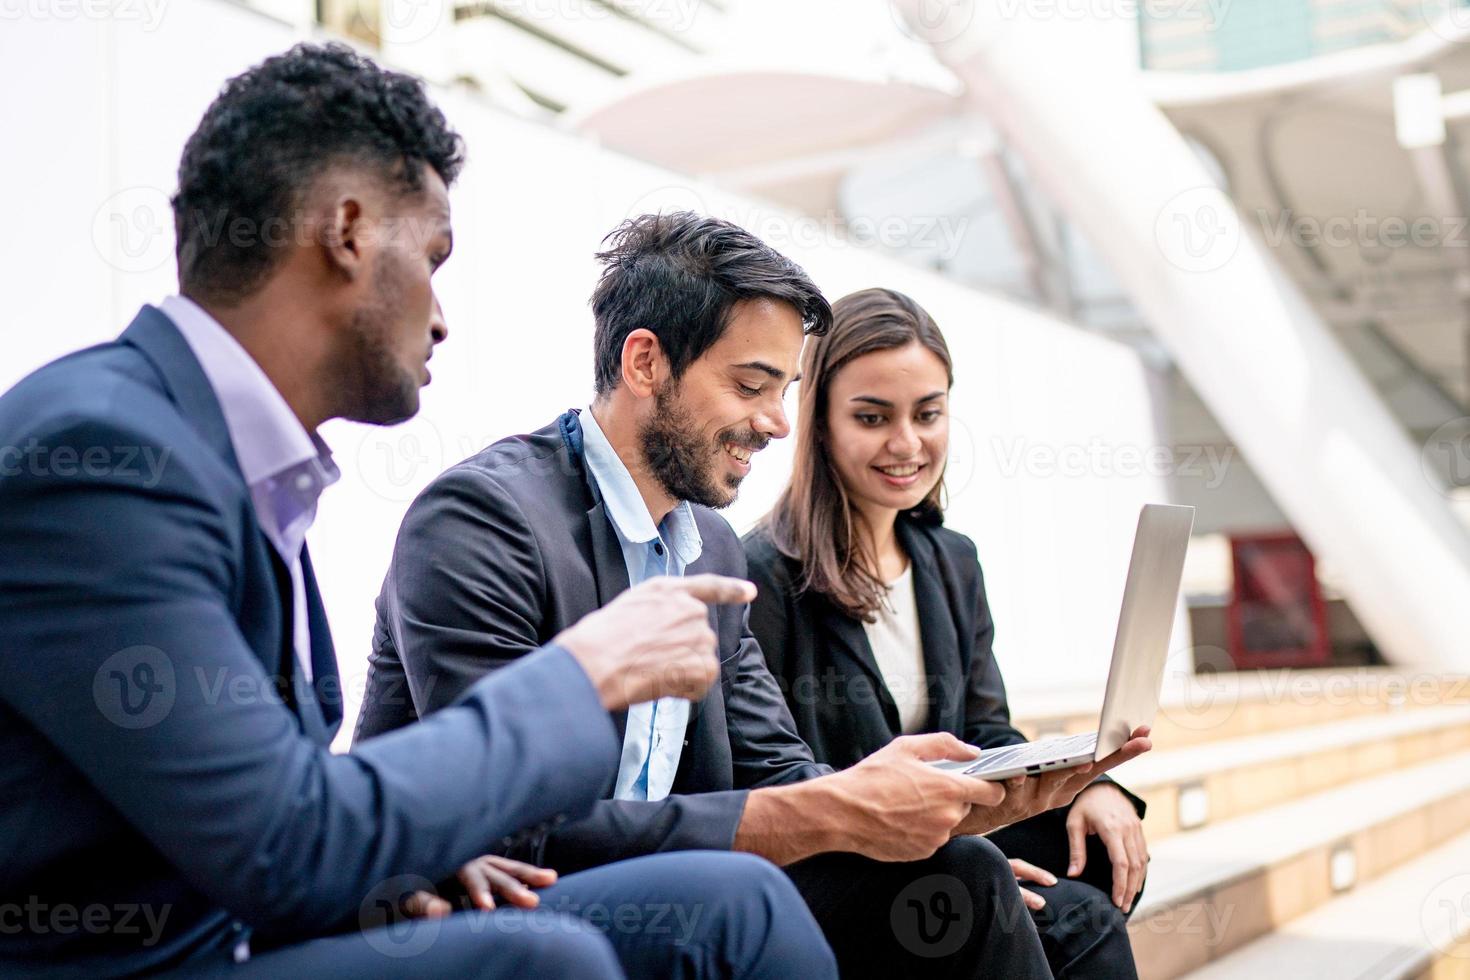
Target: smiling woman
point(873, 436)
point(873, 616)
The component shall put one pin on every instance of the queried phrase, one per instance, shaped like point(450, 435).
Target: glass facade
point(1230, 35)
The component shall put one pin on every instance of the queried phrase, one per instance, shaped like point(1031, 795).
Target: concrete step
point(1410, 924)
point(1188, 788)
point(1213, 890)
point(1195, 709)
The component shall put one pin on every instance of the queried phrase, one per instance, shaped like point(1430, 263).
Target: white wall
point(96, 141)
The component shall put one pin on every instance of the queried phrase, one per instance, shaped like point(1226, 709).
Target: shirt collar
point(268, 437)
point(625, 507)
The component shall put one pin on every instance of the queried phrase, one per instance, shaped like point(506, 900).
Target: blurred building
point(1038, 396)
point(1218, 35)
point(838, 128)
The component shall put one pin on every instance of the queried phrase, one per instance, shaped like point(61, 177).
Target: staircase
point(1304, 824)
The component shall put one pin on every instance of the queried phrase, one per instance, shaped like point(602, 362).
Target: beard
point(682, 461)
point(378, 389)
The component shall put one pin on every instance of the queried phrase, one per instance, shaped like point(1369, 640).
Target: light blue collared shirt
point(285, 467)
point(654, 739)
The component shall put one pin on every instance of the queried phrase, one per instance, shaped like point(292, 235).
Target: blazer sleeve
point(466, 588)
point(987, 713)
point(387, 703)
point(764, 744)
point(111, 577)
point(771, 613)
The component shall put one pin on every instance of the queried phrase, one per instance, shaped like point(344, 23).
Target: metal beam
point(1271, 371)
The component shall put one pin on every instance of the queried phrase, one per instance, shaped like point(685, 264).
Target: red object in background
point(1276, 616)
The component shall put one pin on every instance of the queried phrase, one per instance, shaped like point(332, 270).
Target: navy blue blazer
point(513, 545)
point(166, 785)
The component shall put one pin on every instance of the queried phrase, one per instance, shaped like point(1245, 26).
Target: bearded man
point(699, 329)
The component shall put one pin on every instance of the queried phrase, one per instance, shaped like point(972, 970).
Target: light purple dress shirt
point(285, 467)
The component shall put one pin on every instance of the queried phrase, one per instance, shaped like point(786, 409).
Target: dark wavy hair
point(680, 276)
point(271, 132)
point(814, 521)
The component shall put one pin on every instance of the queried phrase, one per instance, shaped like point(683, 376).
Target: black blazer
point(821, 657)
point(502, 552)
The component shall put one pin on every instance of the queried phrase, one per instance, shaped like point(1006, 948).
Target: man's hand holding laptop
point(1118, 827)
point(894, 805)
point(1026, 796)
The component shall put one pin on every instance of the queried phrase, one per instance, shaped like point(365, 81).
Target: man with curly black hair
point(169, 804)
point(324, 177)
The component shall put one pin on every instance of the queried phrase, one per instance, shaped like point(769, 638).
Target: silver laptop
point(1139, 654)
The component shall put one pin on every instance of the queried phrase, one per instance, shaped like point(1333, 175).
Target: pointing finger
point(718, 589)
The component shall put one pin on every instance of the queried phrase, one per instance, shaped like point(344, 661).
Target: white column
point(1269, 368)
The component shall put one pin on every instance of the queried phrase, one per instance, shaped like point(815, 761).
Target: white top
point(899, 652)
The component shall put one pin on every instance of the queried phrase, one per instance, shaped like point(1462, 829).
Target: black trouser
point(1083, 932)
point(957, 914)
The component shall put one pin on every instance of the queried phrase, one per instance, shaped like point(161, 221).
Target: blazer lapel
point(696, 708)
point(326, 684)
point(280, 663)
point(610, 571)
point(607, 555)
point(153, 333)
point(608, 568)
point(945, 674)
point(300, 696)
point(850, 640)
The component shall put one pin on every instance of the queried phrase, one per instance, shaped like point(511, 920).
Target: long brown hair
point(813, 521)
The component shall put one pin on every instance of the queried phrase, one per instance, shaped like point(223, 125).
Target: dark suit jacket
point(510, 547)
point(825, 666)
point(150, 769)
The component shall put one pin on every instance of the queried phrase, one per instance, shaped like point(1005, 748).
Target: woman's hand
point(1102, 809)
point(1026, 871)
point(483, 879)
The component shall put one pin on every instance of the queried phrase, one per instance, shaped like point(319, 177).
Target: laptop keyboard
point(1031, 753)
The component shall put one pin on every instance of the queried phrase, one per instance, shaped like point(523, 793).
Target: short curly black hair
point(680, 275)
point(270, 133)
